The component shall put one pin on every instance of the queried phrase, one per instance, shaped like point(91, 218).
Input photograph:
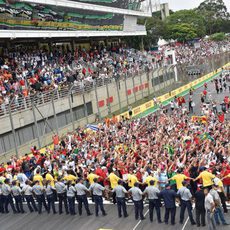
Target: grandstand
point(63, 18)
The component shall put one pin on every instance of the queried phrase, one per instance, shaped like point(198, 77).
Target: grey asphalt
point(46, 221)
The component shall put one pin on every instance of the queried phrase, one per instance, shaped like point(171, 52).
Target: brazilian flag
point(206, 136)
point(170, 149)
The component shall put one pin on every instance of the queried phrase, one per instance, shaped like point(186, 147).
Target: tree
point(215, 15)
point(191, 17)
point(218, 37)
point(181, 32)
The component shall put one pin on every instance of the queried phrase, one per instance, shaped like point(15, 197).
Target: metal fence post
point(142, 90)
point(12, 127)
point(126, 91)
point(134, 89)
point(55, 115)
point(85, 106)
point(118, 95)
point(98, 109)
point(107, 100)
point(36, 123)
point(71, 109)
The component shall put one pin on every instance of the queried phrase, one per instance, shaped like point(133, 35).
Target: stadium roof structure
point(72, 18)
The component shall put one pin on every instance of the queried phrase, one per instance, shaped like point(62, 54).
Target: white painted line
point(187, 219)
point(135, 227)
point(185, 224)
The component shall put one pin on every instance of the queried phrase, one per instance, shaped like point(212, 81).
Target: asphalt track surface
point(46, 221)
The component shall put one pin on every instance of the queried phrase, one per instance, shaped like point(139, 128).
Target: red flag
point(221, 117)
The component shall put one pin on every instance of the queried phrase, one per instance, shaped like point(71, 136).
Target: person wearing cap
point(71, 197)
point(210, 209)
point(7, 198)
point(185, 196)
point(81, 191)
point(17, 194)
point(137, 200)
point(49, 191)
point(207, 178)
point(199, 206)
point(61, 194)
point(120, 192)
point(97, 191)
point(169, 197)
point(28, 193)
point(152, 193)
point(218, 210)
point(113, 179)
point(38, 190)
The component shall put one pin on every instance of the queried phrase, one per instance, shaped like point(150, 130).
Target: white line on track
point(135, 227)
point(187, 219)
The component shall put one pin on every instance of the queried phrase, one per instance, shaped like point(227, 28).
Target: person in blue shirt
point(162, 179)
point(169, 197)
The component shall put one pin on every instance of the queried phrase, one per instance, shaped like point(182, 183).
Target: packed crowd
point(26, 71)
point(165, 156)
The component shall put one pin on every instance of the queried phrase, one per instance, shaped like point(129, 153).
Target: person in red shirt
point(226, 181)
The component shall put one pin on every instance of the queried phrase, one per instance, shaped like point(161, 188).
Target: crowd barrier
point(166, 98)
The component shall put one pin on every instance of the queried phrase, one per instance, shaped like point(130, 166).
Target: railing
point(17, 104)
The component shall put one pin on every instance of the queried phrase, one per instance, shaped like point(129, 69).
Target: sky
point(188, 4)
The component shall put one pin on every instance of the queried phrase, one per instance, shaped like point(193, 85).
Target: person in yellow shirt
point(70, 177)
point(91, 176)
point(113, 178)
point(38, 177)
point(50, 178)
point(207, 177)
point(179, 178)
point(132, 179)
point(149, 178)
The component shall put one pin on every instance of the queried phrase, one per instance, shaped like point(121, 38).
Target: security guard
point(185, 196)
point(154, 202)
point(17, 194)
point(81, 197)
point(200, 209)
point(169, 197)
point(6, 191)
point(120, 192)
point(38, 190)
point(137, 200)
point(27, 191)
point(97, 191)
point(61, 193)
point(71, 197)
point(49, 190)
point(1, 199)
